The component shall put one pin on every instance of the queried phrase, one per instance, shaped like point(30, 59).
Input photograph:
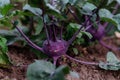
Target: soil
point(93, 53)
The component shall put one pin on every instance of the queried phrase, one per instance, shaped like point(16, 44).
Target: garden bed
point(95, 53)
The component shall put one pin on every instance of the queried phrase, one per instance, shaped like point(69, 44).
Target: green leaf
point(110, 20)
point(13, 32)
point(112, 62)
point(3, 44)
point(117, 20)
point(62, 5)
point(103, 65)
point(39, 54)
point(12, 39)
point(4, 59)
point(43, 70)
point(88, 8)
point(111, 58)
point(75, 51)
point(36, 11)
point(4, 10)
point(74, 74)
point(39, 26)
point(95, 2)
point(88, 34)
point(65, 1)
point(110, 1)
point(72, 2)
point(52, 8)
point(60, 73)
point(105, 13)
point(79, 35)
point(74, 25)
point(5, 21)
point(13, 35)
point(40, 70)
point(4, 2)
point(107, 16)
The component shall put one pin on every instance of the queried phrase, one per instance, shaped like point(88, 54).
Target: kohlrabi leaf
point(4, 2)
point(60, 73)
point(96, 3)
point(88, 8)
point(4, 10)
point(87, 34)
point(43, 70)
point(105, 13)
point(13, 35)
point(36, 11)
point(62, 4)
point(65, 1)
point(113, 63)
point(75, 51)
point(111, 58)
point(4, 59)
point(40, 70)
point(79, 35)
point(74, 74)
point(13, 32)
point(52, 10)
point(5, 22)
point(12, 40)
point(107, 16)
point(39, 26)
point(72, 2)
point(110, 1)
point(117, 19)
point(74, 25)
point(71, 28)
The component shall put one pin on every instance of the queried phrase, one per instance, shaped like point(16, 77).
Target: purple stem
point(76, 33)
point(48, 38)
point(102, 43)
point(53, 27)
point(86, 17)
point(116, 8)
point(50, 33)
point(82, 62)
point(107, 46)
point(61, 32)
point(29, 41)
point(74, 36)
point(55, 60)
point(31, 25)
point(89, 26)
point(46, 30)
point(61, 29)
point(109, 29)
point(54, 33)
